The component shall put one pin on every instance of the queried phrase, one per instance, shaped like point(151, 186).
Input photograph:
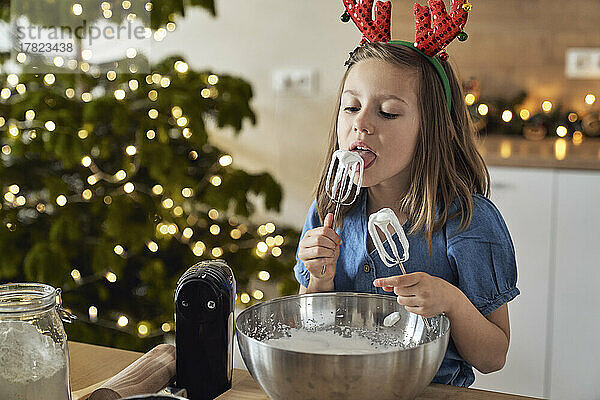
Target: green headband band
point(436, 64)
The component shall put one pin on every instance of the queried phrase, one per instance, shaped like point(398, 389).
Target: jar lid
point(21, 297)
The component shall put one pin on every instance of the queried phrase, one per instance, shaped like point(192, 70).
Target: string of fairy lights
point(525, 113)
point(269, 245)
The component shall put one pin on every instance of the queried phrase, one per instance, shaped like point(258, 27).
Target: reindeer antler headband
point(429, 40)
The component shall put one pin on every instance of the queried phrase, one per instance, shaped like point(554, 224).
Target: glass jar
point(34, 356)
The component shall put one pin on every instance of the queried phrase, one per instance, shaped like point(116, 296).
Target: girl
point(421, 161)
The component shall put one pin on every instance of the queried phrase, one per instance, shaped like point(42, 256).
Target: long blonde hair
point(445, 165)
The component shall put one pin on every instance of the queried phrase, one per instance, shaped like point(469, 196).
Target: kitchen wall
point(512, 45)
point(521, 44)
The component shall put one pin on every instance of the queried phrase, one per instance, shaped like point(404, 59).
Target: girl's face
point(379, 120)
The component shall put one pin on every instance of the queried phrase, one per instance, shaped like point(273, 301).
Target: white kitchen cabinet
point(575, 352)
point(554, 219)
point(523, 196)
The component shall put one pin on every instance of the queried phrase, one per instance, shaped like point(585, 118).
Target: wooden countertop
point(91, 365)
point(516, 151)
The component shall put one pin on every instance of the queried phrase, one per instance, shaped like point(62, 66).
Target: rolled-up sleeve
point(483, 257)
point(312, 221)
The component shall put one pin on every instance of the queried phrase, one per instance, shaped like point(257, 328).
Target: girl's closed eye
point(389, 115)
point(351, 109)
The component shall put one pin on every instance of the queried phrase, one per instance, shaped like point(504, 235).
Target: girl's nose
point(362, 124)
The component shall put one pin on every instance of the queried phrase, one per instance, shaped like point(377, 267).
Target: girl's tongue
point(367, 156)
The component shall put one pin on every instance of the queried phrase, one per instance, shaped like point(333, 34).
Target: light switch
point(583, 63)
point(295, 81)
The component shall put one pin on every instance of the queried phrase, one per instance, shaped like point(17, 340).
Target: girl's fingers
point(328, 222)
point(406, 291)
point(326, 237)
point(315, 252)
point(408, 301)
point(399, 280)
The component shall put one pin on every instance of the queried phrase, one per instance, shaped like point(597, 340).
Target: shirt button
point(367, 268)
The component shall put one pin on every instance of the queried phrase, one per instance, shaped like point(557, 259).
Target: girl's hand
point(319, 247)
point(420, 293)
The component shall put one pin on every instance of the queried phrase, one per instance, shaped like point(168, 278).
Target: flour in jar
point(32, 365)
point(328, 342)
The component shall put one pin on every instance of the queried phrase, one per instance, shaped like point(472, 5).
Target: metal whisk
point(383, 219)
point(339, 184)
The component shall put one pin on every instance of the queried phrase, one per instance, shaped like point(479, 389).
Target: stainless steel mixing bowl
point(399, 373)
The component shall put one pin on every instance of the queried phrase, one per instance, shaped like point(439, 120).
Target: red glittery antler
point(430, 40)
point(373, 30)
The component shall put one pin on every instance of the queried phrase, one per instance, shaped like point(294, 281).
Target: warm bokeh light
point(123, 321)
point(213, 79)
point(181, 67)
point(470, 99)
point(215, 180)
point(61, 200)
point(143, 329)
point(199, 248)
point(76, 275)
point(590, 99)
point(560, 149)
point(573, 117)
point(561, 131)
point(264, 275)
point(483, 109)
point(152, 246)
point(505, 149)
point(258, 294)
point(92, 180)
point(507, 115)
point(262, 230)
point(262, 247)
point(157, 189)
point(547, 106)
point(278, 240)
point(93, 313)
point(129, 187)
point(225, 160)
point(217, 252)
point(270, 227)
point(213, 214)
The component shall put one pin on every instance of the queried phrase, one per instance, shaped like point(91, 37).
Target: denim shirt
point(479, 260)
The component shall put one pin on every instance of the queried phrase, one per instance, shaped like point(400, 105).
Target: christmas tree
point(111, 190)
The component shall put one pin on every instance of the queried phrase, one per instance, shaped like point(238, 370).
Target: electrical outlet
point(294, 81)
point(583, 63)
